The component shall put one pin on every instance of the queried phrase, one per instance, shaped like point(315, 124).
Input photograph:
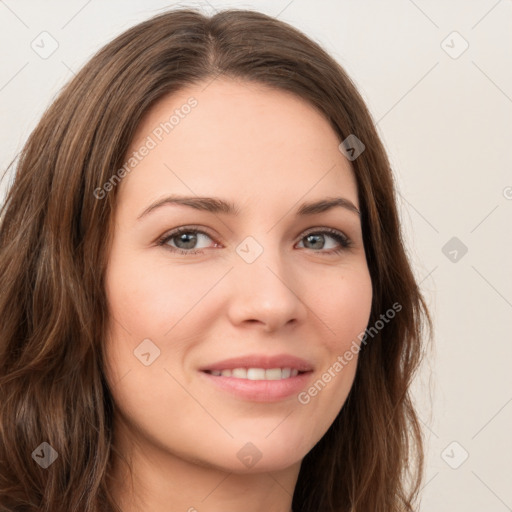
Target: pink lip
point(260, 390)
point(261, 361)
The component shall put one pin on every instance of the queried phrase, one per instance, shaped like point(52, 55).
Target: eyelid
point(187, 228)
point(325, 229)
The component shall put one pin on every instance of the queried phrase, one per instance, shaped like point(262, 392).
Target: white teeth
point(273, 374)
point(239, 373)
point(258, 373)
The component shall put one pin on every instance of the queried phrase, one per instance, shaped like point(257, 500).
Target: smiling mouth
point(257, 373)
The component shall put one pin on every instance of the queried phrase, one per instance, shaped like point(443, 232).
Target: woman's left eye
point(319, 237)
point(185, 240)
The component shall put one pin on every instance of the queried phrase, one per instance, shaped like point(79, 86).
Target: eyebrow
point(217, 205)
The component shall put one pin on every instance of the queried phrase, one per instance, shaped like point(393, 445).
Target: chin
point(262, 456)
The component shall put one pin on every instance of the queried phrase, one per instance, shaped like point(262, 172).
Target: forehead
point(237, 139)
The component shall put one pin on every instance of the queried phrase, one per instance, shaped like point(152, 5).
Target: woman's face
point(267, 284)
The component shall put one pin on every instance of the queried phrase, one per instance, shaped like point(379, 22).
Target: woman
point(205, 299)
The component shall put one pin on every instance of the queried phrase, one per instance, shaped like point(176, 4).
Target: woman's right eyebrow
point(218, 205)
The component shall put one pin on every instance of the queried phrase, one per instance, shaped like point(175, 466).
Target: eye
point(317, 240)
point(184, 239)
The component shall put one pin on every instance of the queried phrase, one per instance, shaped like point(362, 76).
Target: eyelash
point(342, 239)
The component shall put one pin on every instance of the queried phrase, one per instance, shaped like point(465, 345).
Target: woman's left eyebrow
point(218, 205)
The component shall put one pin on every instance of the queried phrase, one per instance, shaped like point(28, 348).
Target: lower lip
point(260, 390)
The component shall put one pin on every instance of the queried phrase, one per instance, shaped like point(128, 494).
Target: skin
point(267, 151)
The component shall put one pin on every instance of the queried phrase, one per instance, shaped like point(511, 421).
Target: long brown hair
point(54, 242)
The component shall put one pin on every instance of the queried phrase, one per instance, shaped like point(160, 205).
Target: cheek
point(344, 305)
point(149, 297)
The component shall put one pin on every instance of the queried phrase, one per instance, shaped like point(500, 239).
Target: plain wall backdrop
point(437, 77)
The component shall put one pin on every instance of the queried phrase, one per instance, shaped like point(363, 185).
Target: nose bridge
point(261, 260)
point(264, 288)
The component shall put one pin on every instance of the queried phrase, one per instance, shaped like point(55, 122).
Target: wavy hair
point(55, 238)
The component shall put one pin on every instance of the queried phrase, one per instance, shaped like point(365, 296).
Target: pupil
point(191, 240)
point(318, 238)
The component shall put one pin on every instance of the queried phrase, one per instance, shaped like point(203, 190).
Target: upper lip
point(261, 361)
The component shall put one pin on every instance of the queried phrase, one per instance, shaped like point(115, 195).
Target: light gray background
point(445, 121)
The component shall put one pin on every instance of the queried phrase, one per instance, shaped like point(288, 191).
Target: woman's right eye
point(184, 240)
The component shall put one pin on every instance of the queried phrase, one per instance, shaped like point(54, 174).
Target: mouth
point(259, 377)
point(269, 374)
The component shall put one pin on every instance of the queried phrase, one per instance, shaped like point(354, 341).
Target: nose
point(266, 293)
